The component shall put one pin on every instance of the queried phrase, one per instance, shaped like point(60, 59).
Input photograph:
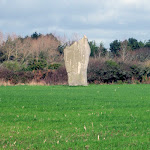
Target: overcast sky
point(100, 20)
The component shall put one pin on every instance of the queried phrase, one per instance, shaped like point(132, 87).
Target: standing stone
point(76, 61)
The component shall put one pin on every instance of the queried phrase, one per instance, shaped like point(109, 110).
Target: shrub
point(54, 66)
point(12, 65)
point(107, 72)
point(5, 74)
point(58, 76)
point(110, 71)
point(15, 77)
point(23, 77)
point(99, 71)
point(36, 64)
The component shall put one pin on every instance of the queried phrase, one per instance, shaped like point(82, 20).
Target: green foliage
point(115, 47)
point(12, 65)
point(108, 72)
point(61, 48)
point(139, 72)
point(111, 71)
point(35, 35)
point(36, 64)
point(102, 50)
point(63, 117)
point(2, 56)
point(97, 51)
point(147, 44)
point(134, 44)
point(112, 64)
point(94, 48)
point(54, 66)
point(141, 44)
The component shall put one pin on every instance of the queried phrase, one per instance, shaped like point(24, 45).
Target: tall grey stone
point(76, 61)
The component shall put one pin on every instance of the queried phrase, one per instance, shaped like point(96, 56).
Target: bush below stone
point(99, 72)
point(112, 72)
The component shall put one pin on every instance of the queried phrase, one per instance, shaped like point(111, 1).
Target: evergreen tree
point(115, 47)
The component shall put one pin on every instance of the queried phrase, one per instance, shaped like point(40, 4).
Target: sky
point(100, 20)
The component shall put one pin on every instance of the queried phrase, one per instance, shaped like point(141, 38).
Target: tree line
point(127, 49)
point(31, 52)
point(40, 57)
point(39, 51)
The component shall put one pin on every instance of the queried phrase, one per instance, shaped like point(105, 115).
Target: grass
point(62, 117)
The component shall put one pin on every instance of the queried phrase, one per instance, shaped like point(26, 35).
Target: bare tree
point(1, 38)
point(63, 39)
point(51, 48)
point(100, 49)
point(9, 46)
point(22, 49)
point(44, 44)
point(75, 37)
point(124, 52)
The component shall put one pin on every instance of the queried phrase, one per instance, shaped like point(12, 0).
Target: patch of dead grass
point(5, 83)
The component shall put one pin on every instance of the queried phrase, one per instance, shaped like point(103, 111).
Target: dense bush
point(15, 77)
point(110, 71)
point(2, 56)
point(36, 64)
point(5, 74)
point(54, 66)
point(107, 72)
point(98, 72)
point(58, 76)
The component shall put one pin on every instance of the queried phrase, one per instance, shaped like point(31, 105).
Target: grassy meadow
point(96, 117)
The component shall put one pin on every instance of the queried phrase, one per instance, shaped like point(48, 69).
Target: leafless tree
point(9, 46)
point(46, 44)
point(1, 38)
point(124, 52)
point(21, 49)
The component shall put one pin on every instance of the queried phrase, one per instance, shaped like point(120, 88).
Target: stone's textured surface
point(76, 61)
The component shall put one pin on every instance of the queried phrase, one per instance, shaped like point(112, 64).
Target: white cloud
point(100, 19)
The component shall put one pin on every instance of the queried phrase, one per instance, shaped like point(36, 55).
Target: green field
point(96, 117)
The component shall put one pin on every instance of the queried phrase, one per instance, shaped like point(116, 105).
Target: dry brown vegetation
point(22, 49)
point(5, 83)
point(38, 60)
